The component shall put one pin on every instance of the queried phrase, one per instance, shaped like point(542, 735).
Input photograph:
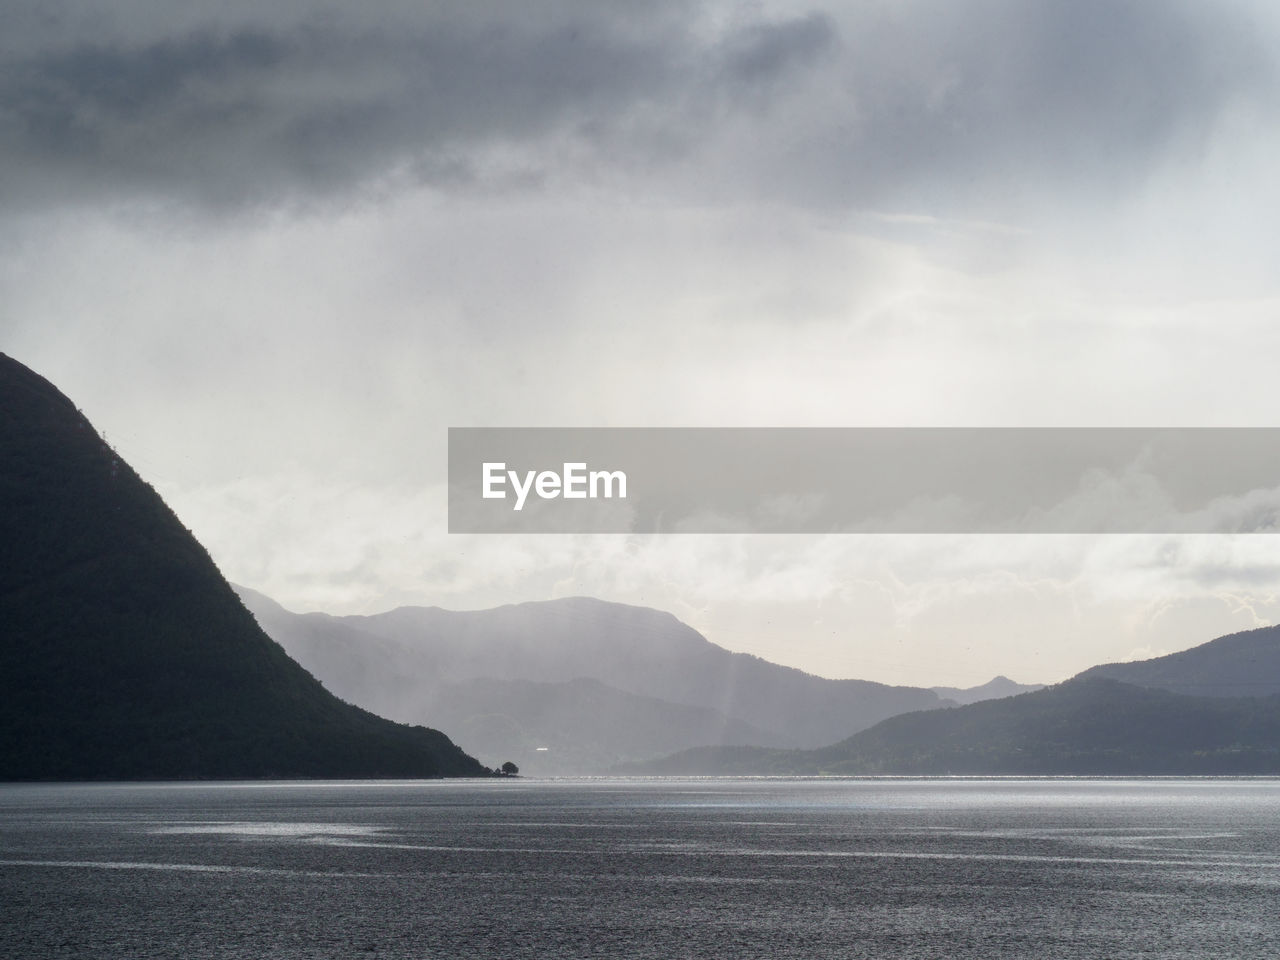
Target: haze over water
point(717, 868)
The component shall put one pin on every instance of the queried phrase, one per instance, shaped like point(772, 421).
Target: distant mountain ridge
point(1118, 719)
point(1245, 664)
point(994, 689)
point(1083, 727)
point(594, 683)
point(123, 652)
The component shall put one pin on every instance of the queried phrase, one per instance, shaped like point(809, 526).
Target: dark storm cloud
point(853, 106)
point(237, 113)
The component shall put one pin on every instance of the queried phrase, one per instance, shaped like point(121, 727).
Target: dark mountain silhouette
point(993, 689)
point(1245, 664)
point(668, 682)
point(1127, 718)
point(123, 652)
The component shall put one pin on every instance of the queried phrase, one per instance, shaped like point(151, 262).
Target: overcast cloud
point(976, 107)
point(275, 250)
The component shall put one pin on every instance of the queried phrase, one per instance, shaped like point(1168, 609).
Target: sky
point(275, 250)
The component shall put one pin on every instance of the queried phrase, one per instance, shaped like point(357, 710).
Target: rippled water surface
point(643, 868)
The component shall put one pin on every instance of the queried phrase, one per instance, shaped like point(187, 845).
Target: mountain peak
point(124, 654)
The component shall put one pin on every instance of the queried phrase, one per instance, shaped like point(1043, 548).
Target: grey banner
point(864, 480)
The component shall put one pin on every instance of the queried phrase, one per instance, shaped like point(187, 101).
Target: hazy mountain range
point(591, 683)
point(1239, 665)
point(991, 690)
point(1092, 724)
point(124, 654)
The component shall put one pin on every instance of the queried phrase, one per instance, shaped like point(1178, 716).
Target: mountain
point(123, 652)
point(1089, 726)
point(657, 680)
point(991, 690)
point(1212, 709)
point(1245, 664)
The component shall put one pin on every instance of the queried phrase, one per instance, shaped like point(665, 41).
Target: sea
point(643, 868)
